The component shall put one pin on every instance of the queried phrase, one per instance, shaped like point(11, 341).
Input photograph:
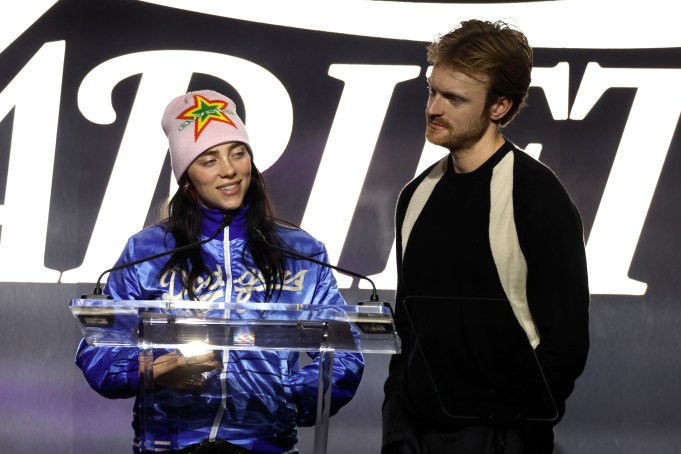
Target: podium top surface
point(258, 326)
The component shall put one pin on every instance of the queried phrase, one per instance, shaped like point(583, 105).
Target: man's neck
point(470, 159)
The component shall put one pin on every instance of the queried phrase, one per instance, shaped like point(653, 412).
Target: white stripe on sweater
point(419, 199)
point(503, 239)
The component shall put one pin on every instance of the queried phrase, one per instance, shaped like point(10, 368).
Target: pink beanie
point(198, 121)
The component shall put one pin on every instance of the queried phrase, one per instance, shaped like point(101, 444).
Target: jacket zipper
point(225, 352)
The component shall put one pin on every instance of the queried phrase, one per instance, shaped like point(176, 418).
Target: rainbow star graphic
point(203, 112)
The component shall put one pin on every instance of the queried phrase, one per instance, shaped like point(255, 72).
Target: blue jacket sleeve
point(347, 367)
point(113, 371)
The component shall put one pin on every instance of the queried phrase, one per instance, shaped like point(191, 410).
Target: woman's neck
point(212, 218)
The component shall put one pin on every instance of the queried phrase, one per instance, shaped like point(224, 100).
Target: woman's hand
point(177, 371)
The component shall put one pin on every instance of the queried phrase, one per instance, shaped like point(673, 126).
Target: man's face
point(456, 115)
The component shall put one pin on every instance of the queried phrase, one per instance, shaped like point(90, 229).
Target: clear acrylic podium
point(150, 325)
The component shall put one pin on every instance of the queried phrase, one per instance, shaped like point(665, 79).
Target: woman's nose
point(226, 169)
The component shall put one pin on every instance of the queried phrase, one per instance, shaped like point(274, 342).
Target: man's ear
point(500, 108)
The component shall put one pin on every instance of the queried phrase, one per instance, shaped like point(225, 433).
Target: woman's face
point(221, 176)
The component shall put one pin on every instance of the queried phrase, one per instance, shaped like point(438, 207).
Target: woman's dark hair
point(184, 223)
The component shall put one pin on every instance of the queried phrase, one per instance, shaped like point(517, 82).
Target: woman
point(252, 400)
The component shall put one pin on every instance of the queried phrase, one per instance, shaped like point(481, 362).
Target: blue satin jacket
point(260, 397)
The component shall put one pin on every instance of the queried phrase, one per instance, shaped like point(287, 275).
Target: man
point(492, 296)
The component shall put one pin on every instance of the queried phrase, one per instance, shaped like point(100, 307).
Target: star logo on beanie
point(203, 112)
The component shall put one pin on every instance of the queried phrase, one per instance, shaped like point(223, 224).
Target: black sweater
point(492, 297)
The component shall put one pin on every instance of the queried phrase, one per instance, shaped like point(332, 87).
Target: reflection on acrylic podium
point(476, 344)
point(151, 325)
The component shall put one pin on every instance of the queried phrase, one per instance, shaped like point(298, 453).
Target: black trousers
point(403, 435)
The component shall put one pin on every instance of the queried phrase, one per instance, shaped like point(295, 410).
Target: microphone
point(374, 295)
point(97, 292)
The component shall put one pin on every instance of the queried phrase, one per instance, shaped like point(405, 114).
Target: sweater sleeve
point(557, 284)
point(401, 321)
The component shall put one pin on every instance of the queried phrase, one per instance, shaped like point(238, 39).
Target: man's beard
point(461, 139)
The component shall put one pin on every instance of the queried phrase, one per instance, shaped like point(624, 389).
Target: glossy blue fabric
point(266, 394)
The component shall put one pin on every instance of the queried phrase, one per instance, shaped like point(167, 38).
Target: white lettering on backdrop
point(623, 208)
point(23, 216)
point(635, 170)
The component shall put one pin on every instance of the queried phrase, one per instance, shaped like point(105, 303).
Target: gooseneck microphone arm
point(292, 253)
point(226, 221)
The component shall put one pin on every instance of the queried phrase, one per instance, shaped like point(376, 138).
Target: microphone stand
point(374, 295)
point(97, 292)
